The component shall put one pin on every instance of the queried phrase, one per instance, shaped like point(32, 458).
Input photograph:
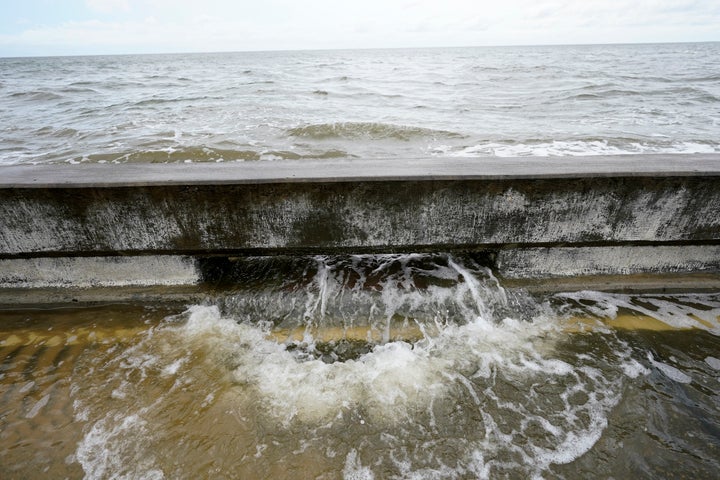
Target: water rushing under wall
point(394, 366)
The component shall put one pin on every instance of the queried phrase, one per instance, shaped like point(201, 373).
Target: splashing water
point(444, 374)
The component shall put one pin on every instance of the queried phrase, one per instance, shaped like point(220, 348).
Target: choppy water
point(505, 101)
point(407, 366)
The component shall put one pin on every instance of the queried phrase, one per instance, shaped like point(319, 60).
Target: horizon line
point(281, 50)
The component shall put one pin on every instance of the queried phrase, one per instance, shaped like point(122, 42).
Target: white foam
point(391, 377)
point(354, 470)
point(562, 148)
point(397, 378)
point(671, 372)
point(173, 368)
point(111, 448)
point(680, 311)
point(633, 369)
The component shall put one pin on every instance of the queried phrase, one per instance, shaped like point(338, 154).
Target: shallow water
point(394, 366)
point(476, 102)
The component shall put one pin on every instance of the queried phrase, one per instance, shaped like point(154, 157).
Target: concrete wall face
point(358, 216)
point(519, 263)
point(88, 272)
point(181, 226)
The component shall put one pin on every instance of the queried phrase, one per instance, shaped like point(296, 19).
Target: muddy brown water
point(576, 385)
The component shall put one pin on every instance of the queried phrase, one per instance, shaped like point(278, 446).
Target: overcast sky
point(78, 27)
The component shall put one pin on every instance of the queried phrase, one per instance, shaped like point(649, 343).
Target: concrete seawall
point(132, 225)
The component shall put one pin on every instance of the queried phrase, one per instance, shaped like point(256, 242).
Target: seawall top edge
point(94, 175)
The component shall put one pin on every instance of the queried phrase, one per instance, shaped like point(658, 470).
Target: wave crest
point(367, 130)
point(206, 154)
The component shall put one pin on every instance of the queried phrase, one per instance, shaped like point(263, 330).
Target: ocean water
point(477, 102)
point(366, 367)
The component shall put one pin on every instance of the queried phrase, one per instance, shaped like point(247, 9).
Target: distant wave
point(160, 101)
point(368, 131)
point(59, 132)
point(77, 90)
point(36, 95)
point(690, 93)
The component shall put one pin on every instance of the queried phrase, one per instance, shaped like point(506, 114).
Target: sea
point(464, 102)
point(359, 366)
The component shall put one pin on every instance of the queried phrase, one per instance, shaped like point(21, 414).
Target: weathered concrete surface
point(638, 283)
point(87, 272)
point(131, 225)
point(548, 262)
point(62, 297)
point(363, 215)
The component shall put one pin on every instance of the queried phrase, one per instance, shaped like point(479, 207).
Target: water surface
point(395, 366)
point(477, 102)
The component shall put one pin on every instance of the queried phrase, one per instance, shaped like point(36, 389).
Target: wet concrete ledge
point(105, 225)
point(356, 170)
